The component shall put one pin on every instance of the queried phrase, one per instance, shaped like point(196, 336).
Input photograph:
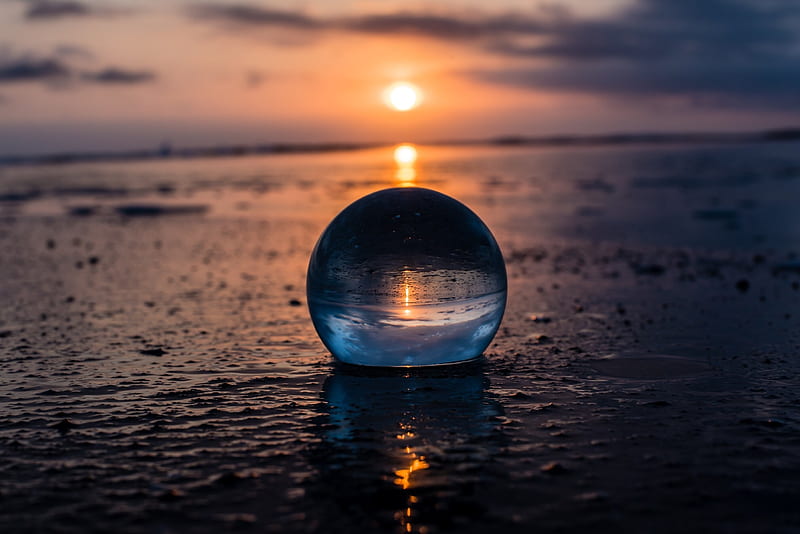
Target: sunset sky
point(118, 74)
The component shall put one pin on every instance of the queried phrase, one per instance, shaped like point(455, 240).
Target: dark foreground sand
point(159, 372)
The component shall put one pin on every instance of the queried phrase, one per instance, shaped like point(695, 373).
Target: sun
point(402, 96)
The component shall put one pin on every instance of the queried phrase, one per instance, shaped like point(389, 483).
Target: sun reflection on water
point(394, 435)
point(406, 478)
point(404, 475)
point(405, 156)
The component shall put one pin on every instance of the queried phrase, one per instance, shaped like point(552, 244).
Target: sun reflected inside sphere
point(402, 96)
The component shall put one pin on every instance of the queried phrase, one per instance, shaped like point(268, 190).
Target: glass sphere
point(406, 277)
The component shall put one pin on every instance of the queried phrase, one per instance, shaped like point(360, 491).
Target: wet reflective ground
point(159, 371)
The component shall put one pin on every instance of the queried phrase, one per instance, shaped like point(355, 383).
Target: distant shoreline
point(168, 152)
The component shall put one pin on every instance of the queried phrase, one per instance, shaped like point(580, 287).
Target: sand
point(160, 372)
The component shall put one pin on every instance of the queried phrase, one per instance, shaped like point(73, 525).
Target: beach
point(160, 371)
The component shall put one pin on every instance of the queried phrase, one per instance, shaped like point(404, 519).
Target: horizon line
point(166, 151)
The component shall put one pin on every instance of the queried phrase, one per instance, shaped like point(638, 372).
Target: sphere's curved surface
point(406, 277)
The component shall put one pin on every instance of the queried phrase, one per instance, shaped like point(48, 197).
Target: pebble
point(743, 285)
point(170, 495)
point(153, 352)
point(230, 478)
point(592, 496)
point(553, 468)
point(649, 270)
point(539, 318)
point(65, 425)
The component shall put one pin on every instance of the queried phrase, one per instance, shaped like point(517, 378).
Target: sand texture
point(159, 371)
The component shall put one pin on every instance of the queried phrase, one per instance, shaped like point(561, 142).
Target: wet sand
point(160, 372)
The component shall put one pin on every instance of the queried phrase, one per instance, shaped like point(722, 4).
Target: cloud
point(56, 71)
point(68, 51)
point(117, 76)
point(713, 53)
point(440, 26)
point(242, 15)
point(47, 10)
point(245, 16)
point(254, 79)
point(56, 9)
point(710, 53)
point(656, 29)
point(764, 86)
point(27, 69)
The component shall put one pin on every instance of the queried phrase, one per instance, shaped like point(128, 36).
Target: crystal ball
point(406, 277)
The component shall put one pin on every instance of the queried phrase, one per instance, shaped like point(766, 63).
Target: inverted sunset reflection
point(408, 294)
point(405, 156)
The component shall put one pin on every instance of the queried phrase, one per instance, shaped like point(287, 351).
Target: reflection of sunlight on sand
point(414, 440)
point(405, 156)
point(404, 475)
point(415, 463)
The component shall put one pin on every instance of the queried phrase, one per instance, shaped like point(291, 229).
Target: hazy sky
point(87, 75)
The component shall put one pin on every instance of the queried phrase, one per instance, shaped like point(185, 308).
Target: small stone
point(65, 425)
point(170, 495)
point(153, 352)
point(553, 468)
point(230, 478)
point(649, 269)
point(592, 496)
point(743, 285)
point(239, 519)
point(657, 404)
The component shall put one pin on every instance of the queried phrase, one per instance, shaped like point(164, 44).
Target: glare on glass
point(406, 277)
